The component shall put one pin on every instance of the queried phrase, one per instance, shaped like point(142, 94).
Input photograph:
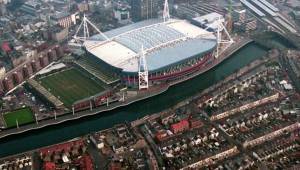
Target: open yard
point(22, 116)
point(71, 85)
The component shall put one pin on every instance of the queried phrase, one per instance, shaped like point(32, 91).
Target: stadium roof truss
point(134, 44)
point(135, 41)
point(154, 45)
point(149, 50)
point(166, 12)
point(143, 71)
point(86, 33)
point(99, 43)
point(227, 39)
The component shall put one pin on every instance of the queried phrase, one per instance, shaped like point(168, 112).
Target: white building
point(122, 13)
point(3, 6)
point(5, 1)
point(239, 15)
point(209, 21)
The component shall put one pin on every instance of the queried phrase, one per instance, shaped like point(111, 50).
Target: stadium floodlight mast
point(166, 12)
point(86, 33)
point(227, 41)
point(143, 71)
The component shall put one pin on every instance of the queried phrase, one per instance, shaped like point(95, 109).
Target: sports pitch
point(70, 86)
point(22, 116)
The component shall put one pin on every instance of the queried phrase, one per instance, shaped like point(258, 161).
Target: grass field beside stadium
point(71, 85)
point(23, 116)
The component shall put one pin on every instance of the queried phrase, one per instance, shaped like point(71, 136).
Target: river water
point(68, 130)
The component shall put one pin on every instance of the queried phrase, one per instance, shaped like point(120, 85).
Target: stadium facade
point(172, 50)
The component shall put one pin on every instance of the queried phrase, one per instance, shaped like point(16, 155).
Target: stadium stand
point(51, 98)
point(95, 69)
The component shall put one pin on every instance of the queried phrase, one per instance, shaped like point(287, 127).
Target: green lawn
point(70, 86)
point(23, 116)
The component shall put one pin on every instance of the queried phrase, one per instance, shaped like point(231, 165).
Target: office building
point(144, 9)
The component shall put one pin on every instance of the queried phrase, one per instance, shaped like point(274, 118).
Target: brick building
point(181, 126)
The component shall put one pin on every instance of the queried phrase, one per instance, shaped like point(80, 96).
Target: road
point(232, 141)
point(97, 157)
point(285, 64)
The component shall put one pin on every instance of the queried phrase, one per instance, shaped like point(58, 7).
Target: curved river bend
point(68, 130)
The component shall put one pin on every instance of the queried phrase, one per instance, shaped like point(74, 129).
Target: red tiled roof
point(160, 136)
point(182, 124)
point(86, 163)
point(64, 146)
point(115, 166)
point(49, 166)
point(5, 47)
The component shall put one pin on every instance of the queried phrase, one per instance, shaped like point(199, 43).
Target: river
point(68, 130)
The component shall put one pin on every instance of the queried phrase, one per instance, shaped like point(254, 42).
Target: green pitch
point(23, 116)
point(70, 86)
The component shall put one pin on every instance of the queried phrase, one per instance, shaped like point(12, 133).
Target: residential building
point(121, 12)
point(65, 19)
point(181, 126)
point(239, 15)
point(31, 7)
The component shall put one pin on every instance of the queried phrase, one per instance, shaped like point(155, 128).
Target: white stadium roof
point(165, 43)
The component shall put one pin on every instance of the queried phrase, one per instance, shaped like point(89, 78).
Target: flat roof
point(253, 8)
point(211, 17)
point(268, 4)
point(164, 43)
point(210, 20)
point(265, 8)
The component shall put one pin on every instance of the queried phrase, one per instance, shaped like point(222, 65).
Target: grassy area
point(272, 64)
point(70, 86)
point(23, 116)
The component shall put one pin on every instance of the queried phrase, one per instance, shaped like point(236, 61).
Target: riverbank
point(139, 97)
point(68, 130)
point(226, 83)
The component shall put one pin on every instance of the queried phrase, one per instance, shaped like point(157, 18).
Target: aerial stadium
point(170, 49)
point(140, 55)
point(150, 52)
